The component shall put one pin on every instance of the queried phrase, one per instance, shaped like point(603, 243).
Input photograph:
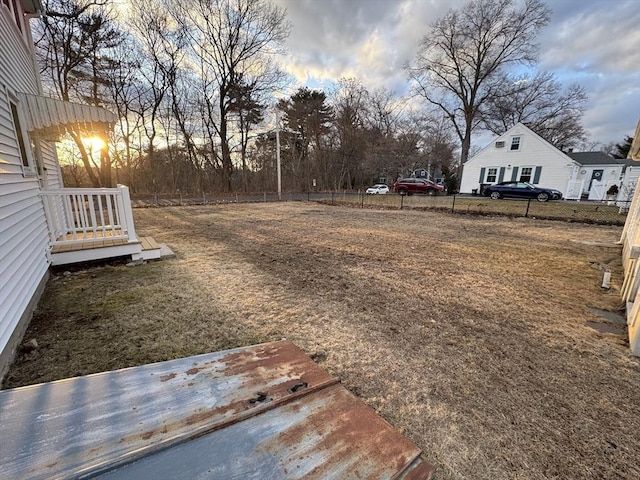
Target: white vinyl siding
point(16, 12)
point(24, 235)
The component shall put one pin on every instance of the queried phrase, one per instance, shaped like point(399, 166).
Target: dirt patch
point(468, 334)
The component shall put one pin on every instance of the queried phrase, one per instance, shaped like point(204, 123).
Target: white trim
point(533, 172)
point(486, 174)
point(30, 169)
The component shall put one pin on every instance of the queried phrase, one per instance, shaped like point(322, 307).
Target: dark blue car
point(521, 190)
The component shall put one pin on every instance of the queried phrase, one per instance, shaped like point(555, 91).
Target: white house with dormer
point(521, 155)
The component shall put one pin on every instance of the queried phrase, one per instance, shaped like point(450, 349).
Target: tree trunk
point(95, 181)
point(105, 167)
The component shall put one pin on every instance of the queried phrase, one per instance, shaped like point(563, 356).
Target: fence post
point(453, 204)
point(401, 201)
point(333, 199)
point(526, 214)
point(204, 197)
point(362, 201)
point(308, 196)
point(124, 201)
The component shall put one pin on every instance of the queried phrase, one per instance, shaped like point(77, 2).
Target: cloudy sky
point(595, 43)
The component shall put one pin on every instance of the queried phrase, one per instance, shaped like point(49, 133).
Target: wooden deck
point(97, 245)
point(92, 240)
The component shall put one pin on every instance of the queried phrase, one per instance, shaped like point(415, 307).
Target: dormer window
point(515, 143)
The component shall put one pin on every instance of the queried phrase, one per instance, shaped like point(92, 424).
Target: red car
point(409, 186)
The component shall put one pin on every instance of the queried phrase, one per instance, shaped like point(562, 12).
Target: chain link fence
point(607, 212)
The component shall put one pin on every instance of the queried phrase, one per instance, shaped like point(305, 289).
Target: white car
point(378, 189)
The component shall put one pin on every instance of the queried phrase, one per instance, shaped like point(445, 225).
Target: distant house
point(42, 223)
point(597, 172)
point(433, 174)
point(521, 155)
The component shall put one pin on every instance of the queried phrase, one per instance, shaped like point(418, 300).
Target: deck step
point(152, 250)
point(148, 243)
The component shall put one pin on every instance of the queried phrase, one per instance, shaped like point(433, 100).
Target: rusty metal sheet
point(329, 434)
point(265, 411)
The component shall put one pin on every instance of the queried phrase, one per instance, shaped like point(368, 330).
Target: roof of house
point(594, 158)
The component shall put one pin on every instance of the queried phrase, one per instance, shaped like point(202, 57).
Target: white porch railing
point(88, 214)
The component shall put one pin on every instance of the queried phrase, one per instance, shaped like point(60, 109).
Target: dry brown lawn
point(466, 333)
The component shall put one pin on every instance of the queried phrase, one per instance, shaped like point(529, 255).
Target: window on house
point(526, 174)
point(24, 154)
point(492, 175)
point(15, 8)
point(515, 143)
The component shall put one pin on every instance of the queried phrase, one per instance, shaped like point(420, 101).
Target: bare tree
point(541, 104)
point(460, 63)
point(248, 112)
point(73, 37)
point(124, 94)
point(350, 103)
point(385, 111)
point(232, 41)
point(152, 27)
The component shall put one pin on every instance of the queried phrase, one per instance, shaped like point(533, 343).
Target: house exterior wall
point(611, 175)
point(628, 184)
point(630, 240)
point(554, 168)
point(23, 228)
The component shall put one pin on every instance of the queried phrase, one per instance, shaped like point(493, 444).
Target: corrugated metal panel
point(265, 411)
point(46, 116)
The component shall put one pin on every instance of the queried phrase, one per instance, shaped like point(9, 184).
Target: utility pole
point(278, 154)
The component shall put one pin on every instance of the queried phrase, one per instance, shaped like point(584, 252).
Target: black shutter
point(481, 175)
point(501, 175)
point(536, 175)
point(514, 174)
